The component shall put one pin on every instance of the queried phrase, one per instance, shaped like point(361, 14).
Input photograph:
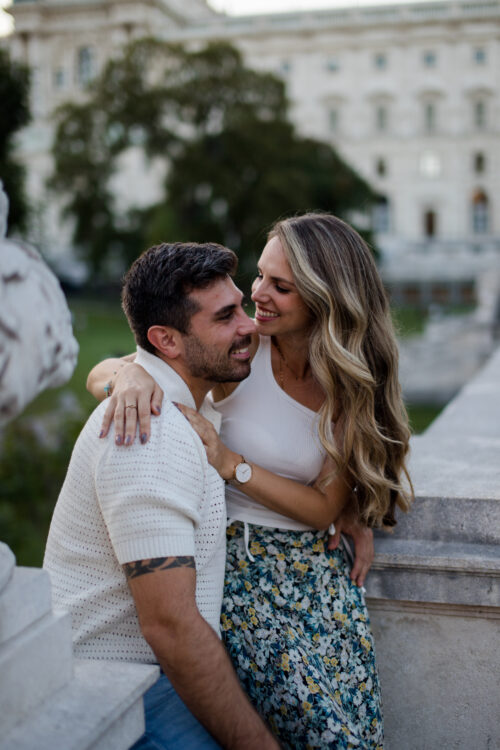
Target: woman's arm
point(104, 374)
point(134, 387)
point(311, 505)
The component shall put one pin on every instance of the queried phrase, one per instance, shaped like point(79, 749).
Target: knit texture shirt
point(121, 504)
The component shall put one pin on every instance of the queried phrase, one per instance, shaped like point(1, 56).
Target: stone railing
point(434, 590)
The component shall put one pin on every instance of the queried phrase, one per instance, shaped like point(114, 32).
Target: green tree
point(14, 95)
point(235, 163)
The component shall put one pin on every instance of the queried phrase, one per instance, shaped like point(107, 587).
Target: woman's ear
point(166, 340)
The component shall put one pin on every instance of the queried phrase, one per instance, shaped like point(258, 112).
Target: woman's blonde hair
point(354, 356)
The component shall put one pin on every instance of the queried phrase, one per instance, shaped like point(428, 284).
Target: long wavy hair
point(354, 356)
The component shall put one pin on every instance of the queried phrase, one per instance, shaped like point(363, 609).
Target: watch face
point(243, 473)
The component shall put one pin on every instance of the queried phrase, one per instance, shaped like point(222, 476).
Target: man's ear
point(166, 340)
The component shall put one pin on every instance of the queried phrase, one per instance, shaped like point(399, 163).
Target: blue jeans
point(170, 725)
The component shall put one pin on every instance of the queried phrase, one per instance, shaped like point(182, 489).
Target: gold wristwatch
point(242, 472)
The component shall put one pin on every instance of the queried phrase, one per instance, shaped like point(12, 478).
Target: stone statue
point(37, 346)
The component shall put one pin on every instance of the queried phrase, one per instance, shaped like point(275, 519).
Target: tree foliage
point(14, 95)
point(235, 163)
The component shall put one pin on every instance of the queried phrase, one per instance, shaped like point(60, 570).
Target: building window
point(430, 117)
point(333, 120)
point(380, 60)
point(480, 114)
point(429, 59)
point(479, 54)
point(381, 118)
point(479, 163)
point(430, 223)
point(332, 65)
point(85, 70)
point(59, 79)
point(381, 167)
point(480, 213)
point(430, 165)
point(381, 215)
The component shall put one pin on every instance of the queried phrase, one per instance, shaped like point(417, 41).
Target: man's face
point(217, 345)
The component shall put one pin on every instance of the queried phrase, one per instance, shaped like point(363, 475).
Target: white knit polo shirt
point(122, 504)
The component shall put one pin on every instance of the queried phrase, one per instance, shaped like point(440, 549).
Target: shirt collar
point(174, 387)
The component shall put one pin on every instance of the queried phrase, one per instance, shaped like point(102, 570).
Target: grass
point(421, 416)
point(408, 321)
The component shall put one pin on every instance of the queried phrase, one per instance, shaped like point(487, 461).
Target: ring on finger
point(131, 406)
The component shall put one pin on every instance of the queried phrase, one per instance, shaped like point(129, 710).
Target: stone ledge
point(432, 608)
point(33, 666)
point(24, 600)
point(464, 520)
point(92, 711)
point(468, 559)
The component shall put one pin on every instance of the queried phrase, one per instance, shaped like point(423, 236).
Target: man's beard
point(211, 364)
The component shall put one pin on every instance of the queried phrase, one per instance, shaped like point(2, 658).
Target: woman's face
point(279, 309)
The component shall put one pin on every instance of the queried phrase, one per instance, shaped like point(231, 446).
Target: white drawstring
point(246, 537)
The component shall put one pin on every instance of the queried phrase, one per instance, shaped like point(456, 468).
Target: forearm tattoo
point(141, 567)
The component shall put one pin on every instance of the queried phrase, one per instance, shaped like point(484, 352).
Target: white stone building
point(409, 95)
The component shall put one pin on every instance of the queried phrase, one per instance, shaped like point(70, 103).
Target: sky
point(242, 7)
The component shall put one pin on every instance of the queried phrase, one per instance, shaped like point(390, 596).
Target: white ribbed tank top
point(269, 428)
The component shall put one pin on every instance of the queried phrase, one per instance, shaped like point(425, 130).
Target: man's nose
point(246, 326)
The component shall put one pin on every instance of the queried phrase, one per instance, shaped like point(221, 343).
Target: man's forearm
point(199, 668)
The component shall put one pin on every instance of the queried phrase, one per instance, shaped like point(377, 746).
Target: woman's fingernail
point(144, 438)
point(158, 409)
point(128, 440)
point(118, 440)
point(101, 434)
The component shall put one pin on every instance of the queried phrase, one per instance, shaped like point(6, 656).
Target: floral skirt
point(298, 634)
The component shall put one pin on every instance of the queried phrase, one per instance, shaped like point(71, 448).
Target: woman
point(322, 427)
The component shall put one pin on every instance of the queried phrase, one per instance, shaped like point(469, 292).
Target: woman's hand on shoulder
point(218, 455)
point(364, 550)
point(134, 398)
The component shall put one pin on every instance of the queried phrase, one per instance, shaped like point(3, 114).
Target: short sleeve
point(151, 495)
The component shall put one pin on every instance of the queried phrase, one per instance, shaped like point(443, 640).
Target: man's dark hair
point(156, 288)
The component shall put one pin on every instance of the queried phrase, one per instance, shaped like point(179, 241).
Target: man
point(136, 547)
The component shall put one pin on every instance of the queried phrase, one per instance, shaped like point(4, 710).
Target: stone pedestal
point(434, 590)
point(47, 699)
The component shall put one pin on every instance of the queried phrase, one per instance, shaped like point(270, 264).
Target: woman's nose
point(258, 290)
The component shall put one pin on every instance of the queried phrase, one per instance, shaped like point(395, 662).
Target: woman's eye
point(281, 289)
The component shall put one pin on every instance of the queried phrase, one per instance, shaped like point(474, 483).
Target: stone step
point(24, 600)
point(100, 709)
point(434, 571)
point(33, 665)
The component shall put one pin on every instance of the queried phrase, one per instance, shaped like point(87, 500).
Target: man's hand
point(191, 655)
point(364, 550)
